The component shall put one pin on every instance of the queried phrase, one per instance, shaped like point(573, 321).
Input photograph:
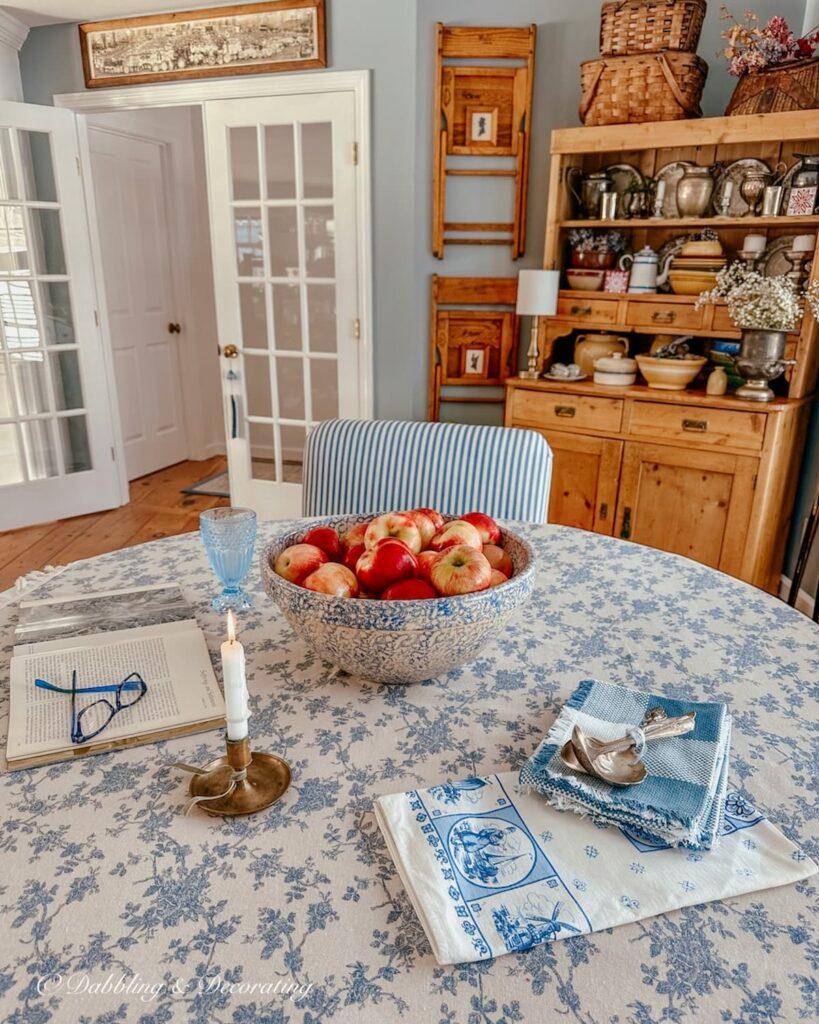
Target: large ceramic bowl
point(670, 374)
point(397, 641)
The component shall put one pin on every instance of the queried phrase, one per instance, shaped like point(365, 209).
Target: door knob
point(174, 329)
point(230, 352)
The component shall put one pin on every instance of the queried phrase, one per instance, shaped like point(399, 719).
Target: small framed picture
point(802, 201)
point(616, 281)
point(482, 123)
point(473, 361)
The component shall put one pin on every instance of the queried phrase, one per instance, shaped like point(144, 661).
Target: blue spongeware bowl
point(396, 641)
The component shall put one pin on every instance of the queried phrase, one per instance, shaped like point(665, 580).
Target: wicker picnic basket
point(642, 26)
point(645, 87)
point(785, 87)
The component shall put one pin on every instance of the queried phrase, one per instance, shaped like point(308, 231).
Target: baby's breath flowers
point(760, 303)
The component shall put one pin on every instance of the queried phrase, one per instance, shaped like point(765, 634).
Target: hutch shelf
point(713, 478)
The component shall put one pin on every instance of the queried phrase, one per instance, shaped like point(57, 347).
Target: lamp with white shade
point(537, 297)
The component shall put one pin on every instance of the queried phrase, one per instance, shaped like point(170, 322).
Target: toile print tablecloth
point(115, 907)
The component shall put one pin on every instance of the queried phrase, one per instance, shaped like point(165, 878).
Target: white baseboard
point(804, 601)
point(213, 449)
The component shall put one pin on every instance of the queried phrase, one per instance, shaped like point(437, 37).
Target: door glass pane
point(11, 465)
point(317, 160)
point(74, 441)
point(47, 241)
point(293, 439)
point(6, 406)
point(14, 257)
point(30, 384)
point(41, 461)
point(290, 385)
point(287, 316)
point(321, 313)
point(257, 386)
point(283, 241)
point(262, 451)
point(65, 378)
point(319, 241)
point(280, 161)
point(249, 249)
point(244, 162)
point(19, 316)
point(324, 388)
point(38, 167)
point(9, 189)
point(56, 309)
point(254, 315)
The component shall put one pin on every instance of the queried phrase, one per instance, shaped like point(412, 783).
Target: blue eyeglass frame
point(133, 681)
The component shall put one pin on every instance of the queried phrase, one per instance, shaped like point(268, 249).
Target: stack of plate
point(695, 269)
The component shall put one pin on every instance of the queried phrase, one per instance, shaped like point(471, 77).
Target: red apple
point(354, 536)
point(497, 578)
point(409, 590)
point(298, 561)
point(498, 559)
point(388, 562)
point(352, 555)
point(485, 525)
point(326, 538)
point(394, 525)
point(426, 526)
point(333, 579)
point(436, 517)
point(459, 533)
point(425, 560)
point(461, 570)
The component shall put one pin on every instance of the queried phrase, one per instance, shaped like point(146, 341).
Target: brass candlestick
point(240, 782)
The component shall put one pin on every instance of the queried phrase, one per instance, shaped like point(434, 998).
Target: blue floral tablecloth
point(115, 907)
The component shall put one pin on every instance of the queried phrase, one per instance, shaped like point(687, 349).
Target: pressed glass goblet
point(229, 536)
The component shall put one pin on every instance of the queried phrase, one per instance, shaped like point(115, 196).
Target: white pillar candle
point(804, 243)
point(659, 192)
point(235, 682)
point(754, 243)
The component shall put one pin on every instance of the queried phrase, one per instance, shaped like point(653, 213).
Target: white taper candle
point(235, 682)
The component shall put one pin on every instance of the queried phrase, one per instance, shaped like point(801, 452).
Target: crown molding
point(12, 31)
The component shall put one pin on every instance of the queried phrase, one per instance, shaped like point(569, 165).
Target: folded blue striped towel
point(681, 802)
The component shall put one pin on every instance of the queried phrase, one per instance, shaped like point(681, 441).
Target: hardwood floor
point(156, 509)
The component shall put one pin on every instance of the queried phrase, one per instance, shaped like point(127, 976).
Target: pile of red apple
point(400, 556)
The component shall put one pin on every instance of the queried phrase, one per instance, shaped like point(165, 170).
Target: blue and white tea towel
point(492, 870)
point(681, 800)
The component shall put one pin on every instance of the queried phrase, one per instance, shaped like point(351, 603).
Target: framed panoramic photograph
point(245, 39)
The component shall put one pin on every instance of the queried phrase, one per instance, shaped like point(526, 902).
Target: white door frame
point(195, 93)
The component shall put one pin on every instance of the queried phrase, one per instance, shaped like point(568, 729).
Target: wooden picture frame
point(475, 361)
point(215, 42)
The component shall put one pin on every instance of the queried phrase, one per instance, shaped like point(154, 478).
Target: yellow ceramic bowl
point(702, 247)
point(670, 374)
point(691, 282)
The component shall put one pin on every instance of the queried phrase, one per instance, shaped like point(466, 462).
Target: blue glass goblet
point(229, 535)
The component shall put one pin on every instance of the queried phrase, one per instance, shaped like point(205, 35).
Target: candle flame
point(231, 627)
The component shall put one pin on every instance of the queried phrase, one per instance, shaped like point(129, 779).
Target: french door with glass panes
point(282, 179)
point(56, 436)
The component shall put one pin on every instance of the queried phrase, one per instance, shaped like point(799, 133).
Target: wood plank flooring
point(157, 509)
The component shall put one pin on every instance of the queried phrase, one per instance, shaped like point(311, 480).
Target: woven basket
point(636, 26)
point(792, 87)
point(648, 87)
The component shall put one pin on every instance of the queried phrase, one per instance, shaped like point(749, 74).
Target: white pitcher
point(646, 275)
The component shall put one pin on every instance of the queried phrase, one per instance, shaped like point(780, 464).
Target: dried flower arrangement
point(586, 240)
point(760, 303)
point(754, 48)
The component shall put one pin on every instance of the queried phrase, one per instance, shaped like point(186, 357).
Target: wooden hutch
point(713, 478)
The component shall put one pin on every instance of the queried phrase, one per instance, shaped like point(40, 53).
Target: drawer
point(723, 322)
point(659, 315)
point(567, 412)
point(587, 310)
point(718, 427)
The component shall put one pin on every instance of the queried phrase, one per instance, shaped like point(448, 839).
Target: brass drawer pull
point(695, 426)
point(566, 411)
point(663, 316)
point(604, 511)
point(625, 529)
point(581, 310)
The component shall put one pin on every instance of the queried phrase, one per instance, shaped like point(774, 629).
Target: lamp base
point(529, 374)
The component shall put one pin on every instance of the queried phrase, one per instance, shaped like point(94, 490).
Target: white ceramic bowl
point(670, 374)
point(585, 280)
point(397, 641)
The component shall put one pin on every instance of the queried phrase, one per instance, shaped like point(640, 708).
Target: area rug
point(215, 486)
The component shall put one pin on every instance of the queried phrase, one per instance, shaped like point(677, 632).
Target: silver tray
point(623, 176)
point(774, 263)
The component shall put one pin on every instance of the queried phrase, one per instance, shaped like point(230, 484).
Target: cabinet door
point(694, 503)
point(584, 480)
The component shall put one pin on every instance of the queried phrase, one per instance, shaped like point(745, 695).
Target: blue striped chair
point(366, 466)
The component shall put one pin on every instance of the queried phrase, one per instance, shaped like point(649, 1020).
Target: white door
point(57, 445)
point(130, 193)
point(282, 181)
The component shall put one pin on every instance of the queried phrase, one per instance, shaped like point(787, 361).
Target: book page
point(173, 660)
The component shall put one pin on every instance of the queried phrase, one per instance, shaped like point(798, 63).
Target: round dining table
point(117, 907)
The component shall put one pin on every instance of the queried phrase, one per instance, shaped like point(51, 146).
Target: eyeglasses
point(89, 721)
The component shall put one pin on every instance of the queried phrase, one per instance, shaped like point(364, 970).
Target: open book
point(105, 638)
